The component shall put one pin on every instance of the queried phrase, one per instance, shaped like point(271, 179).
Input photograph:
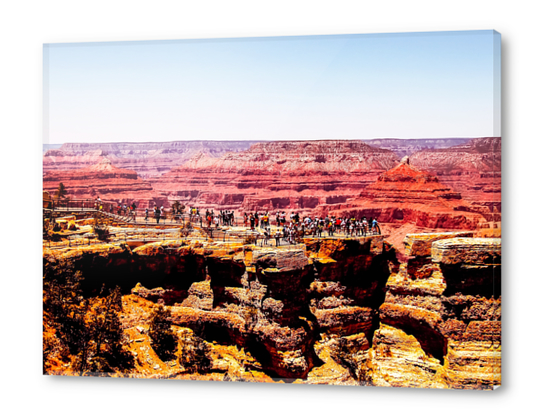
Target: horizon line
point(277, 140)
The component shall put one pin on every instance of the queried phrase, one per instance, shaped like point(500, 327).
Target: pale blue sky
point(417, 85)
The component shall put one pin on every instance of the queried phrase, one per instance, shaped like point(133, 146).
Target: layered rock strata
point(440, 321)
point(147, 159)
point(407, 194)
point(253, 297)
point(105, 181)
point(473, 169)
point(406, 147)
point(297, 175)
point(333, 311)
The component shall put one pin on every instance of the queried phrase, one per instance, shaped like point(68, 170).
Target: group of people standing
point(315, 225)
point(329, 226)
point(295, 227)
point(121, 209)
point(223, 217)
point(256, 220)
point(289, 228)
point(125, 210)
point(350, 226)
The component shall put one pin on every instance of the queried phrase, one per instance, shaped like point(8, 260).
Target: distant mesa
point(147, 159)
point(407, 194)
point(406, 147)
point(152, 159)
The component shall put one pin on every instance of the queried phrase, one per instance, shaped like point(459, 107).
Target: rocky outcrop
point(277, 175)
point(146, 159)
point(473, 169)
point(334, 311)
point(440, 321)
point(253, 297)
point(105, 181)
point(406, 194)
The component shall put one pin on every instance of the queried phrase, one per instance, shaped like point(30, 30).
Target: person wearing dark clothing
point(157, 214)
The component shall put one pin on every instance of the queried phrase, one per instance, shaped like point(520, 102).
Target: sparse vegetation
point(83, 333)
point(60, 192)
point(164, 341)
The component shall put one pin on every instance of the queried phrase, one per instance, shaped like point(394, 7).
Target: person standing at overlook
point(375, 227)
point(157, 214)
point(277, 238)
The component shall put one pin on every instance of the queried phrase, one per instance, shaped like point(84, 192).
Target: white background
point(26, 25)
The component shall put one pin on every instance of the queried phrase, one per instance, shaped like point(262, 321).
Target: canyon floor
point(160, 302)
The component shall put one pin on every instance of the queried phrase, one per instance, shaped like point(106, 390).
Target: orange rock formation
point(332, 311)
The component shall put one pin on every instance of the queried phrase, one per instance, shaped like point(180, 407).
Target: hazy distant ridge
point(406, 147)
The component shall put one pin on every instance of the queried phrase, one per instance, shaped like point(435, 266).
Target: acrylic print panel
point(317, 210)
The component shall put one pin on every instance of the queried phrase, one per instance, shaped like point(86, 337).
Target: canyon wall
point(146, 159)
point(440, 323)
point(472, 169)
point(277, 175)
point(327, 311)
point(324, 176)
point(406, 194)
point(407, 147)
point(105, 181)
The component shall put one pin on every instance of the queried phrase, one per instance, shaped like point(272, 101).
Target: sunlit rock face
point(327, 311)
point(407, 147)
point(440, 322)
point(273, 302)
point(406, 194)
point(472, 169)
point(300, 175)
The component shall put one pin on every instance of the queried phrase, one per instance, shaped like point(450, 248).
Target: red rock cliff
point(277, 175)
point(105, 181)
point(406, 194)
point(473, 169)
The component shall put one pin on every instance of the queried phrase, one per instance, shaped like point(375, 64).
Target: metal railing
point(139, 217)
point(197, 230)
point(250, 237)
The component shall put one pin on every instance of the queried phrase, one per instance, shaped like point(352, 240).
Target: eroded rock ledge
point(440, 321)
point(335, 311)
